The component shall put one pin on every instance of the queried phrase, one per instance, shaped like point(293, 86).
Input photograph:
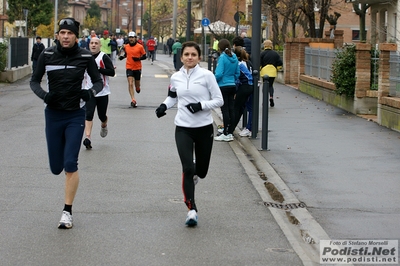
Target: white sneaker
point(191, 218)
point(195, 179)
point(223, 137)
point(221, 130)
point(245, 133)
point(103, 132)
point(66, 221)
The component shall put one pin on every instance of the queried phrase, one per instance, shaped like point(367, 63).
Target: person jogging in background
point(151, 47)
point(196, 92)
point(64, 65)
point(134, 53)
point(105, 43)
point(106, 69)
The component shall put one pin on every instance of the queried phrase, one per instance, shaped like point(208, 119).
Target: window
point(355, 36)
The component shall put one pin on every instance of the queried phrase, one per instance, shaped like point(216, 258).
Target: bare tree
point(273, 4)
point(215, 9)
point(324, 6)
point(361, 11)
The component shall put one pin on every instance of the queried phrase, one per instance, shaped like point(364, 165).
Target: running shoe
point(191, 218)
point(223, 137)
point(87, 143)
point(138, 90)
point(133, 104)
point(271, 102)
point(103, 132)
point(245, 133)
point(66, 221)
point(220, 130)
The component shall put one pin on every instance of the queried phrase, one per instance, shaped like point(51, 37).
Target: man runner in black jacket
point(65, 65)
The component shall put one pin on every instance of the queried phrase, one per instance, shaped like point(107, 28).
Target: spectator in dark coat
point(37, 49)
point(170, 42)
point(247, 43)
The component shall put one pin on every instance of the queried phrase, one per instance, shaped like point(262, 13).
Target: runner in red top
point(151, 47)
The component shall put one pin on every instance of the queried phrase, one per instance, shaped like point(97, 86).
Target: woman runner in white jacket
point(196, 91)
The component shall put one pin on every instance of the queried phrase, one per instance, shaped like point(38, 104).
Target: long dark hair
point(240, 53)
point(225, 46)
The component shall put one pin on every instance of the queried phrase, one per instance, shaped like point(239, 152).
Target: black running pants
point(198, 141)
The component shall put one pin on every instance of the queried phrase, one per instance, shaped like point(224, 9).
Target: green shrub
point(3, 56)
point(344, 71)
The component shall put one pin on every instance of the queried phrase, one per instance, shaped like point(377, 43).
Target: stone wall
point(15, 74)
point(365, 101)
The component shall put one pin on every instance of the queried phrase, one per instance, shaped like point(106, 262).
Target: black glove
point(49, 97)
point(87, 94)
point(135, 58)
point(194, 107)
point(121, 57)
point(160, 111)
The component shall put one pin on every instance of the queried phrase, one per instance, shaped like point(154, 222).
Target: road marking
point(161, 76)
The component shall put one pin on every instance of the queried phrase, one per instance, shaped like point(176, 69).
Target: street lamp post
point(189, 19)
point(134, 15)
point(26, 20)
point(149, 31)
point(141, 20)
point(55, 16)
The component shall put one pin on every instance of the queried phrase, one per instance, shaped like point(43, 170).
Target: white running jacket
point(193, 86)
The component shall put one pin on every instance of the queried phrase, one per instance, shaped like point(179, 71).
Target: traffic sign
point(205, 22)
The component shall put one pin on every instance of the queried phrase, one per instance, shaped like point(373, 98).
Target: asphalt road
point(129, 208)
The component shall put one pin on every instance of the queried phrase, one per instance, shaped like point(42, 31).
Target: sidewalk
point(345, 168)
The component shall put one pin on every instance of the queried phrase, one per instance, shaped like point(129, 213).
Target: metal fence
point(19, 52)
point(394, 79)
point(318, 62)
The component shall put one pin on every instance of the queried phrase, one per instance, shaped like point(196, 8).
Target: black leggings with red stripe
point(199, 140)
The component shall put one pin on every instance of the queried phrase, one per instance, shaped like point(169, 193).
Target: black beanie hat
point(69, 24)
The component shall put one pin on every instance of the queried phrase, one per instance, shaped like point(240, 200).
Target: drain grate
point(287, 206)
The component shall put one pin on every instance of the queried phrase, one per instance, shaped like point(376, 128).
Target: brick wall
point(363, 69)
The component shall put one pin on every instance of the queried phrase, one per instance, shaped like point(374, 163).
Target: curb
point(301, 229)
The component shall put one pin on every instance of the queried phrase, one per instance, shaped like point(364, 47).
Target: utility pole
point(174, 19)
point(134, 15)
point(203, 34)
point(149, 31)
point(26, 21)
point(55, 17)
point(189, 19)
point(255, 48)
point(141, 20)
